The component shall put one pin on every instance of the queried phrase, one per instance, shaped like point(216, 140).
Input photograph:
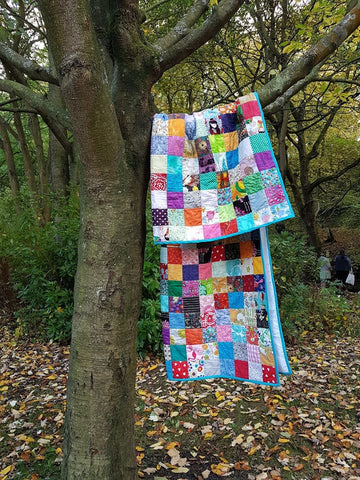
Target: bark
point(58, 157)
point(282, 142)
point(9, 159)
point(42, 168)
point(26, 65)
point(28, 164)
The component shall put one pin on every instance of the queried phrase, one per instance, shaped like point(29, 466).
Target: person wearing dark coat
point(342, 266)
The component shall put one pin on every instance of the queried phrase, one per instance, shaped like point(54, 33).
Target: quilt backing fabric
point(215, 185)
point(214, 174)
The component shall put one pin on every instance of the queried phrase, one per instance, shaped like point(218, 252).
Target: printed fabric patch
point(214, 311)
point(214, 174)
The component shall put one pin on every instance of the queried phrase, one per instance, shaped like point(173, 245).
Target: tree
point(106, 69)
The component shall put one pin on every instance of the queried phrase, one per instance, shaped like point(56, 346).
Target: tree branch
point(6, 102)
point(279, 103)
point(17, 110)
point(195, 38)
point(337, 80)
point(26, 65)
point(314, 149)
point(334, 176)
point(156, 5)
point(51, 115)
point(183, 26)
point(316, 54)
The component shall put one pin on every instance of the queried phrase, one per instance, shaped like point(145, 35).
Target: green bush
point(303, 305)
point(43, 264)
point(308, 308)
point(149, 325)
point(294, 262)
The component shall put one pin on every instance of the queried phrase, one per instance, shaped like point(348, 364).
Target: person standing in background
point(342, 266)
point(325, 269)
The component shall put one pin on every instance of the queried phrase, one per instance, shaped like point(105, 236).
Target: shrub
point(43, 264)
point(294, 262)
point(322, 310)
point(149, 325)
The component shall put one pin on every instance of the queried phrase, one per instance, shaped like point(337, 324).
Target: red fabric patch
point(227, 228)
point(207, 319)
point(269, 374)
point(221, 301)
point(252, 336)
point(250, 109)
point(218, 253)
point(241, 369)
point(248, 283)
point(163, 271)
point(174, 255)
point(180, 369)
point(158, 181)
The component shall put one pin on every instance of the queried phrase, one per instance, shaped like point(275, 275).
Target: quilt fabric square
point(214, 174)
point(217, 326)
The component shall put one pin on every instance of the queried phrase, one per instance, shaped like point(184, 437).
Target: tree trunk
point(308, 216)
point(10, 163)
point(114, 171)
point(57, 156)
point(42, 167)
point(28, 165)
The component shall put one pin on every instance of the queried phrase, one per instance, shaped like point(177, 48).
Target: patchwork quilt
point(214, 174)
point(215, 186)
point(216, 311)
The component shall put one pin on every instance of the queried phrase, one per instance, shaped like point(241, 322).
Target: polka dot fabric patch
point(214, 311)
point(214, 174)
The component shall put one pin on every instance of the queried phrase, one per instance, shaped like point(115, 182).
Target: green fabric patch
point(259, 143)
point(205, 287)
point(208, 181)
point(174, 288)
point(217, 143)
point(253, 183)
point(226, 212)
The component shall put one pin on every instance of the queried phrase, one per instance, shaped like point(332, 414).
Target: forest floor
point(309, 428)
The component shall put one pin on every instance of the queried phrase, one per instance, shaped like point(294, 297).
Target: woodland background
point(315, 137)
point(314, 125)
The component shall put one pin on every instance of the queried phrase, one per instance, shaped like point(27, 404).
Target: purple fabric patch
point(207, 164)
point(176, 305)
point(264, 160)
point(191, 288)
point(175, 200)
point(160, 216)
point(229, 122)
point(176, 146)
point(190, 272)
point(166, 335)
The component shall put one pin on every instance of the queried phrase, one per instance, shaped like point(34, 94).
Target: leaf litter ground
point(309, 428)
